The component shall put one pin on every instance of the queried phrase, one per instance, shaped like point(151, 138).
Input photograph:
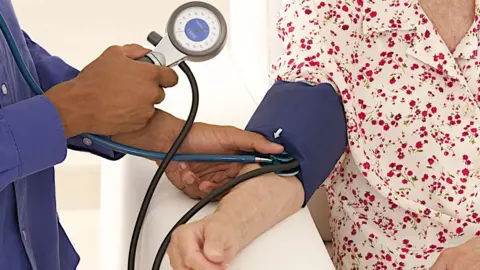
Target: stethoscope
point(196, 31)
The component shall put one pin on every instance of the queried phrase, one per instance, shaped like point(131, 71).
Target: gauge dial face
point(197, 29)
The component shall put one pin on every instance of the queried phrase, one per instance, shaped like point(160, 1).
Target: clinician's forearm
point(259, 204)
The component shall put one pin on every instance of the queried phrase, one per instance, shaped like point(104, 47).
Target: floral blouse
point(407, 187)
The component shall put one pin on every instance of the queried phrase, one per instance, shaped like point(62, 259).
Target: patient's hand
point(252, 208)
point(208, 244)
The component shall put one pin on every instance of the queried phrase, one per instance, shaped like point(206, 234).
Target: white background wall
point(254, 41)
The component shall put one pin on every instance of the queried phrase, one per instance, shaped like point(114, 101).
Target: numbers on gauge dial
point(197, 29)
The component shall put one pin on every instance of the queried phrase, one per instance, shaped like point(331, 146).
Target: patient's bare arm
point(245, 213)
point(257, 205)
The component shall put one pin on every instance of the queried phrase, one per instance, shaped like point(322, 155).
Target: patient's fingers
point(176, 261)
point(189, 240)
point(196, 260)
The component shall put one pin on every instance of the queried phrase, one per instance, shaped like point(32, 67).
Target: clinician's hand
point(464, 257)
point(208, 244)
point(197, 179)
point(113, 94)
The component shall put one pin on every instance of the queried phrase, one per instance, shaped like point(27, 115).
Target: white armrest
point(292, 244)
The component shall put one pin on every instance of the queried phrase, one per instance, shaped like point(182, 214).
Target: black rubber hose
point(158, 175)
point(210, 197)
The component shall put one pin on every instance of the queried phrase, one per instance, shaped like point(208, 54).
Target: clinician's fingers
point(165, 76)
point(240, 140)
point(159, 96)
point(189, 178)
point(178, 174)
point(218, 176)
point(134, 51)
point(174, 174)
point(192, 192)
point(207, 187)
point(198, 188)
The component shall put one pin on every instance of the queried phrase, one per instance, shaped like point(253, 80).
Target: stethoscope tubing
point(178, 157)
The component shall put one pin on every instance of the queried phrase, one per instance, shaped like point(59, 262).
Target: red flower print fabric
point(407, 186)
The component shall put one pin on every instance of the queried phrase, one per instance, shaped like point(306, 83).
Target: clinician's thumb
point(242, 140)
point(215, 245)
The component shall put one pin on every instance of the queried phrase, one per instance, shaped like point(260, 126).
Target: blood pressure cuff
point(309, 121)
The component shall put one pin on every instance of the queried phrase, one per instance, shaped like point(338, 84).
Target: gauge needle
point(200, 30)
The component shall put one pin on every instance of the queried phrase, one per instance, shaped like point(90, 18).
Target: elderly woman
point(405, 194)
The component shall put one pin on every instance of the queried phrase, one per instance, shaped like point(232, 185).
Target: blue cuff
point(37, 132)
point(311, 125)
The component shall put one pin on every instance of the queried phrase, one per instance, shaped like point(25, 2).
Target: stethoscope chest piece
point(279, 159)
